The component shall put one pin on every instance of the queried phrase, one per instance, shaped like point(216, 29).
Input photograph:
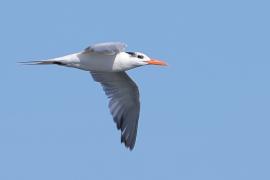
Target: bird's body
point(107, 63)
point(96, 62)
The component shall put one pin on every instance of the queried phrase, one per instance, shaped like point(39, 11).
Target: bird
point(108, 62)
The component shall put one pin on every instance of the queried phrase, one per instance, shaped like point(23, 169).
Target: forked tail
point(46, 62)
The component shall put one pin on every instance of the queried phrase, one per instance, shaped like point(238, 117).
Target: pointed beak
point(156, 62)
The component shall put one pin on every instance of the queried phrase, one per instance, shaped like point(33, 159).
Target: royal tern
point(107, 63)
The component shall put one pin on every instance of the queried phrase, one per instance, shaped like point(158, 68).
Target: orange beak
point(156, 62)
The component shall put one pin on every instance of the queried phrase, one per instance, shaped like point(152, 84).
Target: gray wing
point(124, 103)
point(108, 48)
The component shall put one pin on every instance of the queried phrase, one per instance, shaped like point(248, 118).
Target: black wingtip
point(127, 145)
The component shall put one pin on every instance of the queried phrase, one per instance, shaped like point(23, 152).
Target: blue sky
point(206, 116)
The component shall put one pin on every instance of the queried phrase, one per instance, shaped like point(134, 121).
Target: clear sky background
point(205, 116)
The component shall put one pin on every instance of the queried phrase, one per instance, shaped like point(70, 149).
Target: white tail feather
point(45, 62)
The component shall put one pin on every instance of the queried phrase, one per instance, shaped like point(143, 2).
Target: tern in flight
point(107, 63)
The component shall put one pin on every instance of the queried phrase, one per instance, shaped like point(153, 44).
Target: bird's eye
point(140, 56)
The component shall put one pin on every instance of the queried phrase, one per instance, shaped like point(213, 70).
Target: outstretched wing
point(108, 48)
point(124, 103)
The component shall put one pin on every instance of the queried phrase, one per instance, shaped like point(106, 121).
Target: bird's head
point(131, 60)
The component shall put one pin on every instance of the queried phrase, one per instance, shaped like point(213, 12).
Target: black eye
point(140, 56)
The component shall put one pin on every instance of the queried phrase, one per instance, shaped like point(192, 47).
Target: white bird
point(107, 63)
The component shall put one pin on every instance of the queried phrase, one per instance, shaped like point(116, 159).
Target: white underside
point(95, 62)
